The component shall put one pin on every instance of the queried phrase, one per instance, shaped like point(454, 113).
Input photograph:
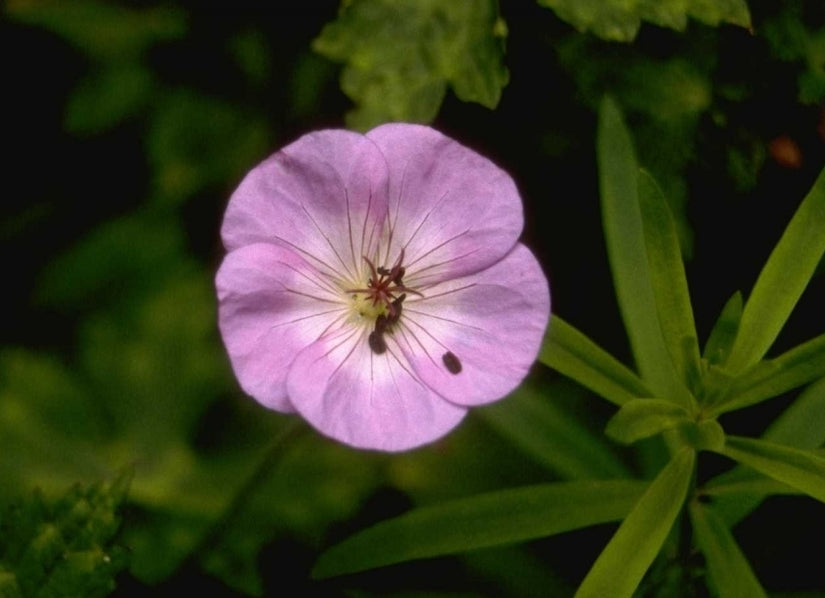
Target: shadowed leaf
point(481, 521)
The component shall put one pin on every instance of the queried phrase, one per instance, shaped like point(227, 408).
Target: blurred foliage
point(401, 56)
point(131, 123)
point(65, 548)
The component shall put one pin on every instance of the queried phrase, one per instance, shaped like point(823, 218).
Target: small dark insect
point(377, 342)
point(451, 362)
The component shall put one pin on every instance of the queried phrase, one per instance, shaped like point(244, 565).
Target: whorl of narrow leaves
point(65, 548)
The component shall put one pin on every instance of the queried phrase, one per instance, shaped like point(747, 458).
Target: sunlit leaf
point(667, 275)
point(625, 239)
point(402, 55)
point(782, 280)
point(619, 20)
point(801, 469)
point(730, 572)
point(773, 377)
point(624, 561)
point(480, 521)
point(533, 421)
point(573, 354)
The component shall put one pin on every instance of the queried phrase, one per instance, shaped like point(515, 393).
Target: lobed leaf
point(624, 561)
point(798, 468)
point(625, 239)
point(552, 436)
point(400, 56)
point(730, 572)
point(481, 521)
point(782, 280)
point(573, 354)
point(619, 20)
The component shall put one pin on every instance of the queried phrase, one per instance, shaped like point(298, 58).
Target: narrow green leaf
point(782, 280)
point(534, 422)
point(642, 418)
point(624, 561)
point(772, 377)
point(573, 354)
point(801, 469)
point(721, 338)
point(802, 425)
point(667, 275)
point(625, 240)
point(749, 487)
point(730, 572)
point(481, 521)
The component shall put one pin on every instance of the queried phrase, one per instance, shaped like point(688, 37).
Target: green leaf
point(730, 572)
point(720, 340)
point(704, 435)
point(624, 561)
point(625, 239)
point(802, 425)
point(573, 354)
point(401, 55)
point(773, 377)
point(533, 421)
point(782, 280)
point(800, 469)
point(64, 549)
point(481, 521)
point(642, 418)
point(619, 20)
point(667, 275)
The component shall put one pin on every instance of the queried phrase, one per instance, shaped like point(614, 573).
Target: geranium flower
point(375, 284)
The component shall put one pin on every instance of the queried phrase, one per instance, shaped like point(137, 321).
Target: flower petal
point(364, 399)
point(324, 195)
point(452, 210)
point(492, 323)
point(272, 304)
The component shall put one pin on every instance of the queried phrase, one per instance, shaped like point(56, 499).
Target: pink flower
point(374, 284)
